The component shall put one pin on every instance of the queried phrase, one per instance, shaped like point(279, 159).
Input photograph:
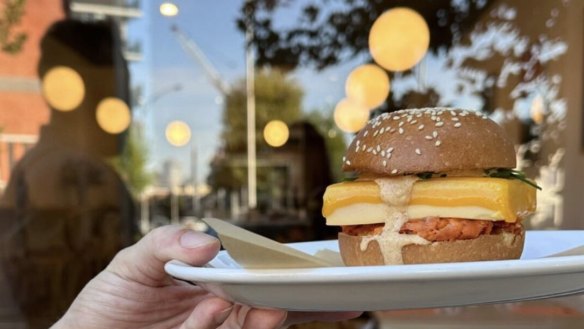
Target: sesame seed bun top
point(429, 139)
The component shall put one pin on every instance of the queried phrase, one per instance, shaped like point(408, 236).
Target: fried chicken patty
point(440, 229)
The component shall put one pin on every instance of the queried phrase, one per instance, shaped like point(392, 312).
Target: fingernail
point(192, 239)
point(223, 315)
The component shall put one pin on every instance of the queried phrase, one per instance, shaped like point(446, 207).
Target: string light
point(63, 88)
point(113, 115)
point(350, 116)
point(399, 39)
point(368, 85)
point(178, 133)
point(276, 133)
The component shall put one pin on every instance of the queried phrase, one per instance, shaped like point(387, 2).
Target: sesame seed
point(348, 162)
point(394, 171)
point(374, 152)
point(381, 131)
point(438, 143)
point(454, 119)
point(439, 124)
point(384, 163)
point(365, 133)
point(457, 125)
point(420, 127)
point(390, 149)
point(396, 118)
point(401, 130)
point(375, 133)
point(429, 138)
point(378, 148)
point(401, 123)
point(453, 113)
point(434, 134)
point(344, 159)
point(388, 155)
point(418, 152)
point(382, 153)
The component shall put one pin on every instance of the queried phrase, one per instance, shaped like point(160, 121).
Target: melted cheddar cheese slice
point(360, 202)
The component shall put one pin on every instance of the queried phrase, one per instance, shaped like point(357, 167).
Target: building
point(122, 11)
point(23, 109)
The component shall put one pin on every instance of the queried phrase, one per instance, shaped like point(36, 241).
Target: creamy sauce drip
point(396, 193)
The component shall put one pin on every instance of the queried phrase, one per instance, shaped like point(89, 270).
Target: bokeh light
point(63, 88)
point(276, 133)
point(178, 133)
point(399, 39)
point(113, 115)
point(168, 9)
point(368, 85)
point(350, 116)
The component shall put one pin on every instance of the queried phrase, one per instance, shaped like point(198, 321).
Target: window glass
point(119, 116)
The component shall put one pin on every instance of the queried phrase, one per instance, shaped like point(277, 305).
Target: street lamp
point(168, 9)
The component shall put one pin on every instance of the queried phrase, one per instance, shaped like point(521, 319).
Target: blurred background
point(118, 116)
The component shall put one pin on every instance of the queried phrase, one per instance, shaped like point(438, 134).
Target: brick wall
point(24, 111)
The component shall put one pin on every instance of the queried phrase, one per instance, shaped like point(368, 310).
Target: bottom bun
point(485, 247)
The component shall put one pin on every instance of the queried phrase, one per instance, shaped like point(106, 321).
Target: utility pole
point(251, 124)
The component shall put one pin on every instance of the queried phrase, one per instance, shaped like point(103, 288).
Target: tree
point(277, 97)
point(11, 15)
point(323, 37)
point(131, 164)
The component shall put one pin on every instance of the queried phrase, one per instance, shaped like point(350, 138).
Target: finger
point(264, 319)
point(144, 261)
point(303, 317)
point(209, 314)
point(246, 317)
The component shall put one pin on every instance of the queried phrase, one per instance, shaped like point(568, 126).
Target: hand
point(135, 292)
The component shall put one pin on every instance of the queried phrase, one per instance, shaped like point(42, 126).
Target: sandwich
point(432, 185)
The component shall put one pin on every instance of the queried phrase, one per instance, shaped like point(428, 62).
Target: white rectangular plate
point(370, 288)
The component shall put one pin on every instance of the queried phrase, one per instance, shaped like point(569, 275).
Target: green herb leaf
point(425, 175)
point(511, 174)
point(349, 178)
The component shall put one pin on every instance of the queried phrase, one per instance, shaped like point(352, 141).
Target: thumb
point(144, 261)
